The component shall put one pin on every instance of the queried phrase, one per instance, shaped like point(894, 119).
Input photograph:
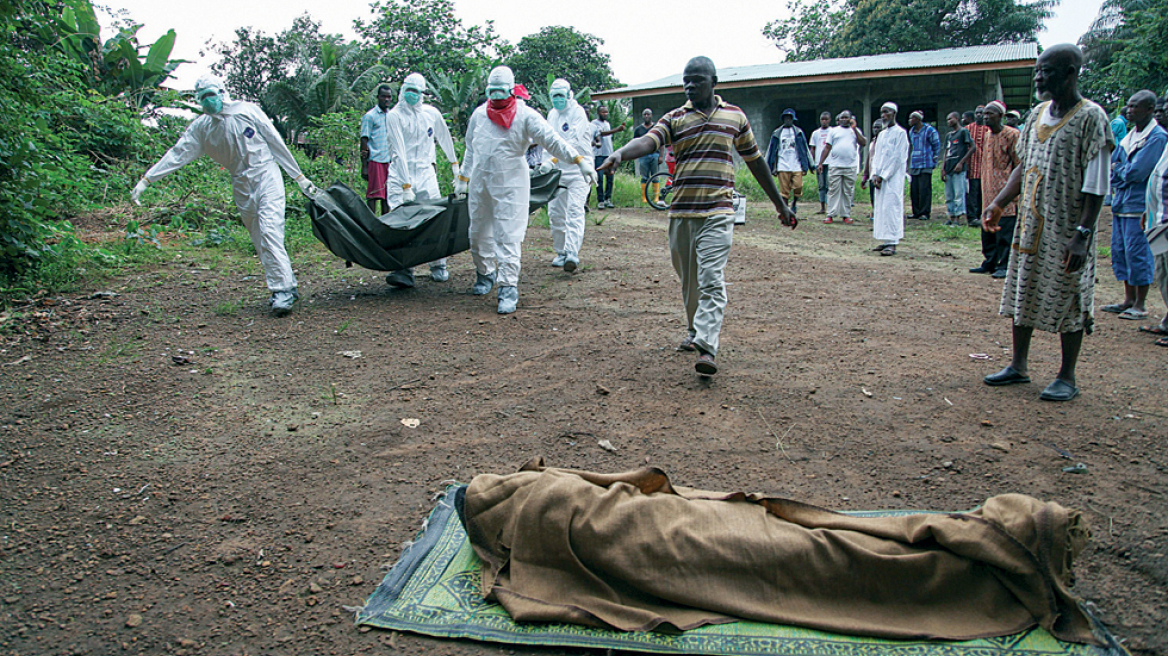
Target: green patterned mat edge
point(415, 596)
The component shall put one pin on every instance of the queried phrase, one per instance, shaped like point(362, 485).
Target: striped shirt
point(703, 185)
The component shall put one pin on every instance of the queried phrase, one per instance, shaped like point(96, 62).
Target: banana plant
point(457, 95)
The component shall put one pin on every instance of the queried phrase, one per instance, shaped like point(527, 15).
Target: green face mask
point(412, 96)
point(498, 93)
point(559, 102)
point(212, 103)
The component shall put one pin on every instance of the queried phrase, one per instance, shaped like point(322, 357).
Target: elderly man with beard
point(1065, 150)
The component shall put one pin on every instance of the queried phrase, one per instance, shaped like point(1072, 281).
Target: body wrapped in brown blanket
point(629, 551)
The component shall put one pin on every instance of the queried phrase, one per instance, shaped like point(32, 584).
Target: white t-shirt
point(605, 147)
point(816, 144)
point(845, 150)
point(788, 156)
point(1097, 177)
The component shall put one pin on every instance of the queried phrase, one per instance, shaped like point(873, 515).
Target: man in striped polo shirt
point(704, 133)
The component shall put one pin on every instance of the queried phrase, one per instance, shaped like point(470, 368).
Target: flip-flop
point(1114, 308)
point(1163, 341)
point(1154, 330)
point(1132, 314)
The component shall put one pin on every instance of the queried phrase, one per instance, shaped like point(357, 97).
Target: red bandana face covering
point(502, 112)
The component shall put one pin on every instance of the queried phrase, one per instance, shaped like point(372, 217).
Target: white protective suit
point(243, 140)
point(566, 211)
point(413, 131)
point(890, 162)
point(500, 186)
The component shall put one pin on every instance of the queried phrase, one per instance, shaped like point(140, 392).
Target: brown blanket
point(631, 552)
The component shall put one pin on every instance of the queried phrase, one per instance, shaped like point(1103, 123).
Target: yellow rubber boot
point(643, 185)
point(657, 193)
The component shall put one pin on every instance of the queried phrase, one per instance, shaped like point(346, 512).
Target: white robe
point(890, 162)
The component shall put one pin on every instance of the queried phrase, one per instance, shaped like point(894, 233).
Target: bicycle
point(664, 183)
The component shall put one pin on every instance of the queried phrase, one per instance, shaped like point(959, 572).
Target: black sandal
point(888, 250)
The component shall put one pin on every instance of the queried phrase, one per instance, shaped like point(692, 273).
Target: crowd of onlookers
point(976, 153)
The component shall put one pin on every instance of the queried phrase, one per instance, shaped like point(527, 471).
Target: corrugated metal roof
point(923, 59)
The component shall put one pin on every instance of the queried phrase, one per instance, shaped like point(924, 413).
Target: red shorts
point(378, 173)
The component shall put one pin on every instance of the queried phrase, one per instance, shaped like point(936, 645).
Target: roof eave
point(833, 77)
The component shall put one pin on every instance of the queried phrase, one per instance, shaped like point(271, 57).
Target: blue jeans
point(821, 178)
point(955, 193)
point(604, 183)
point(647, 165)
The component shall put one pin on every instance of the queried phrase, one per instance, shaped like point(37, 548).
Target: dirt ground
point(184, 473)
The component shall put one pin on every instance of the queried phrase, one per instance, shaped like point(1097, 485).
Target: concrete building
point(934, 81)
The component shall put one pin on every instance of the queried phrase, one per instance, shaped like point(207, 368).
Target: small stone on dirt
point(138, 520)
point(602, 390)
point(134, 620)
point(606, 445)
point(315, 588)
point(1000, 447)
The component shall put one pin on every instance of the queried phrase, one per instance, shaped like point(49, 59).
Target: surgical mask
point(412, 96)
point(498, 93)
point(212, 103)
point(559, 102)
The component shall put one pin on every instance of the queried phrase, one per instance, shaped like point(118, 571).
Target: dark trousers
point(603, 183)
point(995, 246)
point(821, 178)
point(973, 200)
point(921, 191)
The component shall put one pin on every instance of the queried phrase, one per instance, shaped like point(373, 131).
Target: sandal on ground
point(1115, 308)
point(848, 220)
point(1133, 314)
point(1158, 329)
point(1163, 341)
point(706, 365)
point(1059, 390)
point(1007, 376)
point(888, 250)
point(828, 220)
point(687, 344)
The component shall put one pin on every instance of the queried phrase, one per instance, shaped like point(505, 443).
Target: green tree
point(1126, 50)
point(458, 94)
point(562, 52)
point(329, 81)
point(425, 36)
point(853, 28)
point(811, 29)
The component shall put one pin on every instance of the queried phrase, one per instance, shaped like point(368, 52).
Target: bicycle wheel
point(664, 183)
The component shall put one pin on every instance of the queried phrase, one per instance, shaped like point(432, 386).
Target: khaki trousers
point(700, 249)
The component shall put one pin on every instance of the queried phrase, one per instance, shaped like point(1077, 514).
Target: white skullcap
point(890, 105)
point(415, 81)
point(501, 76)
point(998, 105)
point(919, 114)
point(209, 81)
point(560, 86)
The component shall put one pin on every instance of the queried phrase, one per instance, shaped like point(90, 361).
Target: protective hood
point(562, 90)
point(209, 81)
point(414, 82)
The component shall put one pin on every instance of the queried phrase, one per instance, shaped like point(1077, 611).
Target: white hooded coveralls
point(413, 131)
point(243, 140)
point(500, 186)
point(566, 211)
point(890, 162)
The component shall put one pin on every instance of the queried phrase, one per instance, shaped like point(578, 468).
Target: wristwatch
point(1086, 232)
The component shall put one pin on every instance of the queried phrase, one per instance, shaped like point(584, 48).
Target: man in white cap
point(414, 127)
point(566, 211)
point(496, 180)
point(889, 164)
point(240, 138)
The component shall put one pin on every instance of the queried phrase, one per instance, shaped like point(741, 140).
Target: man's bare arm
point(638, 147)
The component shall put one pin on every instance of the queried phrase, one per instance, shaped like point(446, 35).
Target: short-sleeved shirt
point(375, 127)
point(997, 156)
point(957, 144)
point(817, 138)
point(605, 147)
point(845, 149)
point(703, 182)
